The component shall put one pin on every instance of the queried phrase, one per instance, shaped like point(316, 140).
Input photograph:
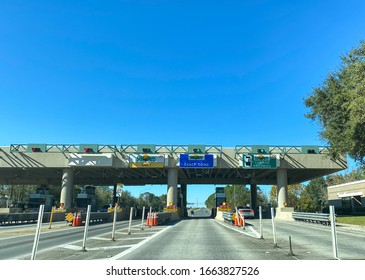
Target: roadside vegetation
point(352, 220)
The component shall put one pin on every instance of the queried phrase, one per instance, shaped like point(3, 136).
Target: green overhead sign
point(260, 161)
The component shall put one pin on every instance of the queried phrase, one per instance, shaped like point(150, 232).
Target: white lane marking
point(239, 230)
point(78, 248)
point(130, 250)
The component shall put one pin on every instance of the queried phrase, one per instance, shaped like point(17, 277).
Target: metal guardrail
point(318, 218)
point(95, 217)
point(22, 218)
point(227, 216)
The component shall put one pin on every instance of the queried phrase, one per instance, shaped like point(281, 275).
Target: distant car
point(247, 213)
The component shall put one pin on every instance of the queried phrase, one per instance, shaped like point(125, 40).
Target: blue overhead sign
point(196, 161)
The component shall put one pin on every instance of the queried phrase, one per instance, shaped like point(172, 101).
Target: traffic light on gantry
point(197, 151)
point(146, 150)
point(260, 149)
point(36, 148)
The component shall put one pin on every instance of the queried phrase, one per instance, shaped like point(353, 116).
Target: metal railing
point(318, 218)
point(281, 149)
point(227, 216)
point(22, 218)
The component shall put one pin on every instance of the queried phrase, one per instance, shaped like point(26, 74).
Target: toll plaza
point(176, 166)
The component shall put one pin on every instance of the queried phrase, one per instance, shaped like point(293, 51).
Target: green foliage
point(237, 195)
point(18, 194)
point(294, 192)
point(104, 195)
point(148, 199)
point(314, 196)
point(338, 105)
point(352, 220)
point(210, 202)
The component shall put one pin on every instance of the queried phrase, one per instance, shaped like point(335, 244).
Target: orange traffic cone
point(74, 220)
point(79, 219)
point(235, 220)
point(150, 222)
point(154, 219)
point(148, 219)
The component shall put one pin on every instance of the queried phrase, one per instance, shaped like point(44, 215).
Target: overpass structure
point(173, 165)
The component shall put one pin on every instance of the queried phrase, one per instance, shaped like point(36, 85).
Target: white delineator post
point(38, 232)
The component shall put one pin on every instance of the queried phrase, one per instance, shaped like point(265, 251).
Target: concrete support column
point(253, 196)
point(282, 187)
point(283, 212)
point(184, 199)
point(184, 193)
point(67, 187)
point(115, 199)
point(172, 179)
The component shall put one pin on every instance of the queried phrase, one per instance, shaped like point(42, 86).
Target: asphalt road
point(16, 242)
point(314, 241)
point(195, 238)
point(202, 238)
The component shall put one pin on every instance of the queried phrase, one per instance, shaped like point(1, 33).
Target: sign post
point(273, 227)
point(333, 233)
point(114, 221)
point(86, 227)
point(38, 232)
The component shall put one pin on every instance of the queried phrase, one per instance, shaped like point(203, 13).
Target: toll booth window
point(357, 202)
point(346, 202)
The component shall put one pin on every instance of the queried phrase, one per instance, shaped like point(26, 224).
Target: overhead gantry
point(173, 165)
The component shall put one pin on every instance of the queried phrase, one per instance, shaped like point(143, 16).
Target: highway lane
point(314, 241)
point(16, 242)
point(200, 238)
point(195, 238)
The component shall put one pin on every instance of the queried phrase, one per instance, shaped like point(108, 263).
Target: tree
point(210, 202)
point(104, 195)
point(237, 195)
point(338, 105)
point(294, 193)
point(314, 196)
point(127, 200)
point(148, 199)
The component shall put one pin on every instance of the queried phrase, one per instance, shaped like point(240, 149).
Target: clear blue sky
point(168, 72)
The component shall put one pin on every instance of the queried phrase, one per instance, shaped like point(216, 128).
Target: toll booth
point(87, 197)
point(41, 196)
point(220, 196)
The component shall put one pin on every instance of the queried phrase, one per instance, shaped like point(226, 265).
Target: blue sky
point(168, 72)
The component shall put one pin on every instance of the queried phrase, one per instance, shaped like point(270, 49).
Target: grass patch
point(352, 220)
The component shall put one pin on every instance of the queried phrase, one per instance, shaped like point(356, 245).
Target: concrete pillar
point(67, 187)
point(184, 193)
point(184, 199)
point(283, 212)
point(172, 179)
point(282, 187)
point(115, 200)
point(253, 196)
